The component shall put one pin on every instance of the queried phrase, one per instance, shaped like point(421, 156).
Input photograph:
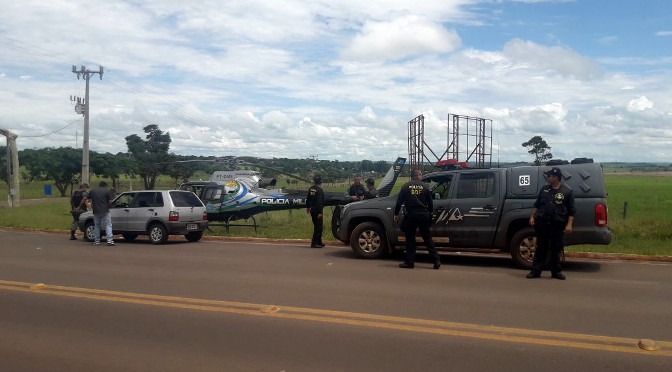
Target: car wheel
point(157, 233)
point(194, 236)
point(368, 240)
point(89, 231)
point(522, 248)
point(129, 237)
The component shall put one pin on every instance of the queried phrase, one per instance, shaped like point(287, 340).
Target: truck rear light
point(174, 216)
point(205, 216)
point(600, 215)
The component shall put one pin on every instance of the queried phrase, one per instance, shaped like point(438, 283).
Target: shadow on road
point(472, 260)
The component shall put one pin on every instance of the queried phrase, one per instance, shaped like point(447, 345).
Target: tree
point(178, 171)
point(150, 154)
point(539, 148)
point(62, 165)
point(110, 166)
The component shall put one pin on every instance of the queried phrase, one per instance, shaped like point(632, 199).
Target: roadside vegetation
point(639, 215)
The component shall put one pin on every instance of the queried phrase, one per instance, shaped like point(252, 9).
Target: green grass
point(646, 227)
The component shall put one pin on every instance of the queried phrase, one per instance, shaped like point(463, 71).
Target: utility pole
point(82, 107)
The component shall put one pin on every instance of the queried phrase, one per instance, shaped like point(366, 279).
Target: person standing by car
point(356, 190)
point(77, 207)
point(552, 218)
point(371, 191)
point(315, 206)
point(101, 199)
point(417, 198)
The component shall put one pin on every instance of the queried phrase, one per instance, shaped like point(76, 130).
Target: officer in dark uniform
point(77, 207)
point(371, 191)
point(315, 206)
point(356, 190)
point(417, 198)
point(552, 217)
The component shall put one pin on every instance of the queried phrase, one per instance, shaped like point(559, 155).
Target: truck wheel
point(368, 240)
point(336, 221)
point(522, 248)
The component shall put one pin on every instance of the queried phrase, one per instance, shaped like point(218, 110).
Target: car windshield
point(185, 199)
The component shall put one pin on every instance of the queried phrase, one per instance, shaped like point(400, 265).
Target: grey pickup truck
point(480, 210)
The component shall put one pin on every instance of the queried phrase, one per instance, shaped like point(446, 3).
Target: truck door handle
point(489, 207)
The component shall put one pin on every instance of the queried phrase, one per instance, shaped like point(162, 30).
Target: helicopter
point(234, 195)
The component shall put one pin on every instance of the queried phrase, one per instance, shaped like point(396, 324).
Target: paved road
point(240, 306)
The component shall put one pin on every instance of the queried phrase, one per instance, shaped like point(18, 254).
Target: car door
point(441, 187)
point(143, 209)
point(119, 210)
point(473, 211)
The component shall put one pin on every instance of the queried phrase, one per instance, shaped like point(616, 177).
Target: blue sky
point(341, 80)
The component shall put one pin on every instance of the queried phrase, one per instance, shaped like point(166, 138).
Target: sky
point(340, 80)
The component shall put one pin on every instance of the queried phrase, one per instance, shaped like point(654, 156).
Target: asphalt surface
point(257, 306)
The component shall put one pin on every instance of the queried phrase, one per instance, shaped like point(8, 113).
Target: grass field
point(640, 215)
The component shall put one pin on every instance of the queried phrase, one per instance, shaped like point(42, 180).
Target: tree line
point(149, 156)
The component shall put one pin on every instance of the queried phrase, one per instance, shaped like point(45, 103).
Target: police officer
point(371, 191)
point(315, 206)
point(417, 198)
point(552, 217)
point(77, 207)
point(356, 190)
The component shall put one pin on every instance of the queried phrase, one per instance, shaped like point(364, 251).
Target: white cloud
point(403, 37)
point(664, 33)
point(555, 58)
point(640, 104)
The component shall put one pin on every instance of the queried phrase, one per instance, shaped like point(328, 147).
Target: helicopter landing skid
point(228, 223)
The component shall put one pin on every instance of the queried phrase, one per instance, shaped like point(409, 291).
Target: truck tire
point(368, 240)
point(522, 247)
point(336, 221)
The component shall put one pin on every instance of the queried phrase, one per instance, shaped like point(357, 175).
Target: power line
point(50, 133)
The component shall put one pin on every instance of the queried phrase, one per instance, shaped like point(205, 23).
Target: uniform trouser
point(421, 223)
point(317, 228)
point(100, 220)
point(550, 241)
point(75, 221)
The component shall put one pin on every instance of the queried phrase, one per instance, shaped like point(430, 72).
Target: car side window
point(124, 200)
point(185, 199)
point(476, 185)
point(144, 200)
point(440, 187)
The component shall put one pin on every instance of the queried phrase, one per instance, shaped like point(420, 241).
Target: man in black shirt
point(315, 206)
point(371, 191)
point(552, 218)
point(417, 198)
point(101, 198)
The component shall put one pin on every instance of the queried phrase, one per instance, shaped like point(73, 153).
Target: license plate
point(192, 226)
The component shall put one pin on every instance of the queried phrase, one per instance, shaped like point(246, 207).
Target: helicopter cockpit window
point(212, 193)
point(440, 186)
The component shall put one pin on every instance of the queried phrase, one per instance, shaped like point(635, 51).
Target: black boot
point(72, 235)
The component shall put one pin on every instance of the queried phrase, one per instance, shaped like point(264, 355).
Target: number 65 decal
point(524, 180)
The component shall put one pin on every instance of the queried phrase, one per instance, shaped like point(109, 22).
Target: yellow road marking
point(492, 333)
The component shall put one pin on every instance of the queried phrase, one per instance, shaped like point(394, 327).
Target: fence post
point(625, 210)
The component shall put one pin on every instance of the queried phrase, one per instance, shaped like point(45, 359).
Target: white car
point(155, 213)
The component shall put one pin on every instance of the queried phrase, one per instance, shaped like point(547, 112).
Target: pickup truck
point(480, 210)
